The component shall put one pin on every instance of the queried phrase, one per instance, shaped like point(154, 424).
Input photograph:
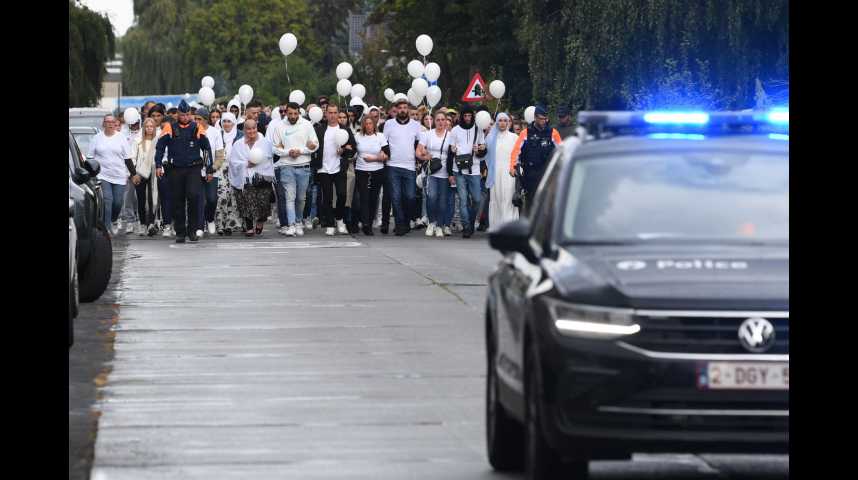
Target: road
point(313, 357)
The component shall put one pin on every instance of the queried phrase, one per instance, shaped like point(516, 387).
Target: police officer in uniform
point(531, 153)
point(188, 151)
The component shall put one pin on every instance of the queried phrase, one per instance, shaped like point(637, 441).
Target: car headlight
point(591, 322)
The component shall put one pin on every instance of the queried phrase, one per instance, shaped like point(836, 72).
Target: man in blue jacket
point(189, 151)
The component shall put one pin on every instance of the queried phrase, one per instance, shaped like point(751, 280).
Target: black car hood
point(671, 276)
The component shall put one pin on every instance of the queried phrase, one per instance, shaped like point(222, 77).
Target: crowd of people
point(188, 172)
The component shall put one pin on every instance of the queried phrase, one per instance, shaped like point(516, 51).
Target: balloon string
point(287, 72)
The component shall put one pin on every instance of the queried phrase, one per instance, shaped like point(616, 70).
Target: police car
point(643, 306)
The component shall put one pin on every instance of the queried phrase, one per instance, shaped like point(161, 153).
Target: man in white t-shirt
point(402, 134)
point(468, 145)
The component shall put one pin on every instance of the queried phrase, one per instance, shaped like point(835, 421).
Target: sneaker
point(439, 232)
point(377, 223)
point(281, 230)
point(180, 239)
point(199, 234)
point(114, 229)
point(153, 230)
point(316, 222)
point(141, 230)
point(341, 228)
point(166, 231)
point(447, 231)
point(211, 226)
point(430, 230)
point(130, 227)
point(329, 231)
point(194, 238)
point(290, 231)
point(276, 222)
point(299, 231)
point(308, 224)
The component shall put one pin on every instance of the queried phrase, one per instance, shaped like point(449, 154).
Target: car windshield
point(687, 196)
point(82, 140)
point(86, 121)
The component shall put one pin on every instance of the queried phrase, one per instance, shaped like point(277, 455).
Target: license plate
point(743, 376)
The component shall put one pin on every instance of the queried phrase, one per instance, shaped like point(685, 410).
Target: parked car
point(73, 294)
point(83, 135)
point(643, 305)
point(87, 117)
point(94, 248)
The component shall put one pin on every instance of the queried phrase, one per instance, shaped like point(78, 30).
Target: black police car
point(94, 248)
point(644, 304)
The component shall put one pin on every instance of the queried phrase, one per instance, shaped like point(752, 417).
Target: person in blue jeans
point(467, 146)
point(294, 141)
point(402, 134)
point(113, 152)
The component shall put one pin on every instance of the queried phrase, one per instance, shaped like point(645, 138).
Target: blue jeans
point(114, 195)
point(468, 184)
point(437, 191)
point(292, 183)
point(403, 194)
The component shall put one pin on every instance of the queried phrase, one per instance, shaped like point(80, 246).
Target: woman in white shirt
point(112, 151)
point(251, 177)
point(434, 144)
point(500, 143)
point(143, 158)
point(372, 151)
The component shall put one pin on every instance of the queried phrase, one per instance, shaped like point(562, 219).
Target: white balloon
point(497, 88)
point(415, 68)
point(419, 86)
point(256, 155)
point(207, 95)
point(413, 98)
point(341, 137)
point(302, 112)
point(245, 93)
point(400, 96)
point(433, 95)
point(358, 101)
point(358, 90)
point(424, 44)
point(187, 96)
point(315, 114)
point(344, 87)
point(344, 70)
point(288, 43)
point(529, 114)
point(389, 94)
point(207, 81)
point(483, 119)
point(432, 71)
point(131, 116)
point(297, 96)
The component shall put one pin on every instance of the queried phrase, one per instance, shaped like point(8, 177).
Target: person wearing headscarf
point(227, 219)
point(499, 144)
point(251, 173)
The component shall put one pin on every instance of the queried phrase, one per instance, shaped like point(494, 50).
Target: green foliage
point(91, 45)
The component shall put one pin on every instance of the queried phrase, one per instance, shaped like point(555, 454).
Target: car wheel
point(504, 435)
point(543, 462)
point(96, 275)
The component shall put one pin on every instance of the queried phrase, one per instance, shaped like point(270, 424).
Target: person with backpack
point(189, 151)
point(531, 153)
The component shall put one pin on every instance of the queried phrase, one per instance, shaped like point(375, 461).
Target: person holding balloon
point(251, 173)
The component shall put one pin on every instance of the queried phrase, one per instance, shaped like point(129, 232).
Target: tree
point(91, 45)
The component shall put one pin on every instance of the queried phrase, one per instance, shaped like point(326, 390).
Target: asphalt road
point(312, 357)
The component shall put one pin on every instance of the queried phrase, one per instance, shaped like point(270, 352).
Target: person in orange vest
point(531, 152)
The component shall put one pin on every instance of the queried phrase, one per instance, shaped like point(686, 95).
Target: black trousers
point(144, 201)
point(368, 185)
point(327, 184)
point(185, 187)
point(386, 200)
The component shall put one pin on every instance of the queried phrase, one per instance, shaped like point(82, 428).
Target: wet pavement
point(313, 357)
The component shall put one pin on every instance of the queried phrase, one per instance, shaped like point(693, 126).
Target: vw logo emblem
point(757, 334)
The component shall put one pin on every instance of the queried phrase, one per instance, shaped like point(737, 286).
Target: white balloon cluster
point(422, 74)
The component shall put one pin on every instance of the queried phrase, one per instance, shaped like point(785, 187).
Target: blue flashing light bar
point(778, 136)
point(778, 116)
point(677, 118)
point(677, 136)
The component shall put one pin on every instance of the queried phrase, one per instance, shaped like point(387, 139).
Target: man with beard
point(467, 147)
point(294, 141)
point(402, 134)
point(188, 151)
point(532, 151)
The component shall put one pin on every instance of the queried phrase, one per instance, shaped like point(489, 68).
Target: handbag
point(435, 163)
point(464, 162)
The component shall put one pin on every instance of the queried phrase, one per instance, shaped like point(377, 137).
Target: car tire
point(541, 461)
point(94, 278)
point(504, 435)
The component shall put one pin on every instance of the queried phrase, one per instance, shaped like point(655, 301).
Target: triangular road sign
point(476, 90)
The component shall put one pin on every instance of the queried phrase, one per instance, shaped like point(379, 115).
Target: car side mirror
point(513, 237)
point(81, 176)
point(92, 166)
point(71, 208)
